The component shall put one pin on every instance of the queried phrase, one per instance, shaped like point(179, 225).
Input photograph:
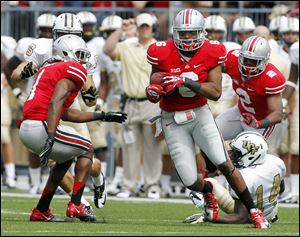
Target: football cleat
point(79, 212)
point(100, 194)
point(37, 215)
point(197, 199)
point(211, 207)
point(258, 219)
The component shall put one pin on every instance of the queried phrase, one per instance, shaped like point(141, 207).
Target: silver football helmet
point(44, 25)
point(71, 48)
point(216, 23)
point(256, 51)
point(88, 21)
point(243, 24)
point(67, 23)
point(289, 24)
point(189, 20)
point(110, 24)
point(248, 148)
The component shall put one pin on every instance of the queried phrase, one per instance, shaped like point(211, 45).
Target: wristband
point(265, 123)
point(99, 116)
point(193, 85)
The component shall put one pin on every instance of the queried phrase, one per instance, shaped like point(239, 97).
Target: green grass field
point(131, 218)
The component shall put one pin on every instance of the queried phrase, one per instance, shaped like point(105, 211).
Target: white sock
point(103, 167)
point(83, 200)
point(98, 180)
point(72, 169)
point(287, 183)
point(10, 170)
point(118, 174)
point(165, 181)
point(294, 184)
point(35, 176)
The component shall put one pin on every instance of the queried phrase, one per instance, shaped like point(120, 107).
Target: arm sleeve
point(217, 53)
point(75, 72)
point(275, 84)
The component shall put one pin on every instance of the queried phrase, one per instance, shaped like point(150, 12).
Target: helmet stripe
point(187, 16)
point(72, 20)
point(66, 20)
point(252, 44)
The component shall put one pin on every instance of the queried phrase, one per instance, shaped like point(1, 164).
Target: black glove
point(117, 117)
point(44, 155)
point(28, 71)
point(90, 96)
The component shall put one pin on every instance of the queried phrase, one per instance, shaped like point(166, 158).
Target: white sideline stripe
point(131, 199)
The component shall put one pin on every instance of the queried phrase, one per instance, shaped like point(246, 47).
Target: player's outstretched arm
point(240, 215)
point(77, 116)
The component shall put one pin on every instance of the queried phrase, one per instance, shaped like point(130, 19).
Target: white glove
point(194, 219)
point(21, 97)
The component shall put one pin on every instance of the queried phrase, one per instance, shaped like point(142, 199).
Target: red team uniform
point(37, 103)
point(165, 56)
point(252, 93)
point(33, 132)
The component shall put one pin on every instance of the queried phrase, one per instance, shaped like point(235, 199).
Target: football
point(156, 78)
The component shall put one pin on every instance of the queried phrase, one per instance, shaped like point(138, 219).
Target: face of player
point(250, 66)
point(242, 36)
point(83, 56)
point(215, 35)
point(45, 32)
point(88, 32)
point(290, 37)
point(145, 31)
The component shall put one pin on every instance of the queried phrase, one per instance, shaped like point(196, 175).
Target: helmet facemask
point(59, 33)
point(252, 69)
point(189, 44)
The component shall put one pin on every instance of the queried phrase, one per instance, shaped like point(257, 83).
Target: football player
point(292, 86)
point(44, 24)
point(54, 90)
point(194, 67)
point(8, 45)
point(263, 174)
point(37, 54)
point(258, 85)
point(243, 27)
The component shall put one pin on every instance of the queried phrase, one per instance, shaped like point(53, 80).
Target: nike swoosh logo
point(168, 124)
point(195, 66)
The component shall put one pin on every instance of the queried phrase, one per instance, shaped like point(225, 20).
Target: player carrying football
point(194, 65)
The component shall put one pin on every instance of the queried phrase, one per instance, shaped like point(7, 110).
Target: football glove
point(250, 120)
point(90, 96)
point(154, 91)
point(44, 155)
point(28, 71)
point(20, 96)
point(117, 117)
point(171, 82)
point(194, 219)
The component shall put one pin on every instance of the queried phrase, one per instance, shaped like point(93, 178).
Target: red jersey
point(253, 92)
point(37, 103)
point(164, 56)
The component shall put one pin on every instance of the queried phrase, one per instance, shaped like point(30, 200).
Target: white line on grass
point(131, 199)
point(138, 232)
